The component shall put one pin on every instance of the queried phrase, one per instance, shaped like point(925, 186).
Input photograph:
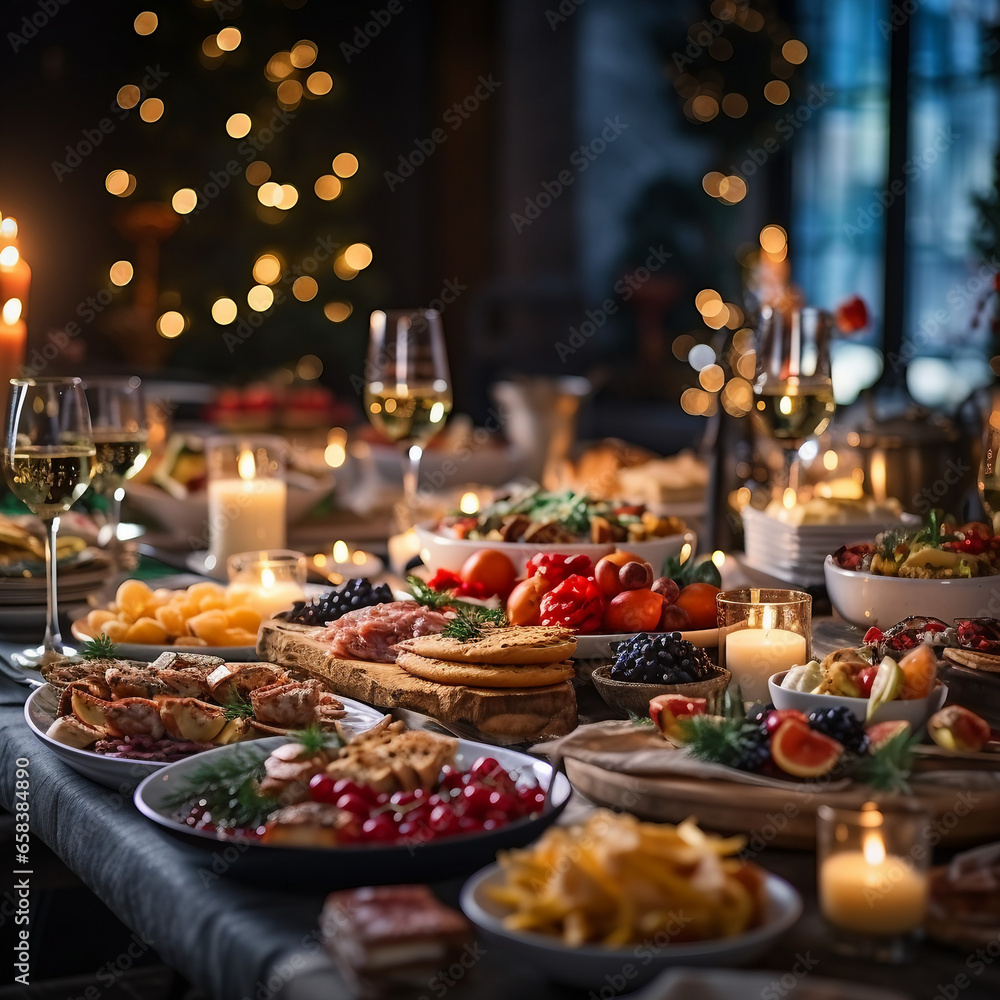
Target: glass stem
point(53, 640)
point(411, 455)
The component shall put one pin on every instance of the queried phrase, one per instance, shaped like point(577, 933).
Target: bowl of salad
point(941, 568)
point(531, 520)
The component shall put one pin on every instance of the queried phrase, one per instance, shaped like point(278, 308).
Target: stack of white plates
point(22, 598)
point(796, 552)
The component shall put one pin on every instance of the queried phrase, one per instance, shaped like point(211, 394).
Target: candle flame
point(341, 553)
point(9, 256)
point(718, 557)
point(335, 454)
point(469, 504)
point(685, 552)
point(8, 228)
point(320, 559)
point(358, 558)
point(874, 848)
point(267, 578)
point(11, 311)
point(788, 498)
point(246, 466)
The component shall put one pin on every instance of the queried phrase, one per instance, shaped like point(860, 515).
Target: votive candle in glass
point(762, 632)
point(872, 867)
point(268, 581)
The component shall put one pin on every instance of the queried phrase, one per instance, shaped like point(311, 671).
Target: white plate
point(124, 775)
point(142, 651)
point(602, 647)
point(591, 967)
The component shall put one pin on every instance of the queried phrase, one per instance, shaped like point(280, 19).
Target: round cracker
point(973, 659)
point(484, 675)
point(516, 645)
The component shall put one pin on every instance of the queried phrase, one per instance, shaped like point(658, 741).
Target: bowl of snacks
point(903, 690)
point(648, 665)
point(618, 917)
point(939, 569)
point(527, 523)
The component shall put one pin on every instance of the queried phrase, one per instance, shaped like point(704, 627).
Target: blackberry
point(841, 724)
point(753, 749)
point(334, 604)
point(661, 658)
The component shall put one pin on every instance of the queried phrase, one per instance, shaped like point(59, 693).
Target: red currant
point(379, 829)
point(322, 789)
point(353, 803)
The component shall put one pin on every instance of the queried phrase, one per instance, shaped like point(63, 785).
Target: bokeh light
point(128, 96)
point(121, 272)
point(309, 367)
point(260, 298)
point(303, 54)
point(319, 83)
point(171, 324)
point(258, 172)
point(151, 109)
point(328, 187)
point(343, 270)
point(777, 91)
point(145, 23)
point(224, 311)
point(267, 269)
point(116, 182)
point(358, 256)
point(337, 312)
point(304, 288)
point(238, 125)
point(184, 201)
point(794, 51)
point(269, 193)
point(229, 39)
point(773, 239)
point(735, 105)
point(345, 164)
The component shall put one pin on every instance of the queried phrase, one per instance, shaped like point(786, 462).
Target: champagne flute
point(793, 389)
point(407, 387)
point(118, 414)
point(48, 460)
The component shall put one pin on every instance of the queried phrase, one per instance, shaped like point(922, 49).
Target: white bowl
point(915, 711)
point(592, 967)
point(865, 599)
point(189, 516)
point(440, 552)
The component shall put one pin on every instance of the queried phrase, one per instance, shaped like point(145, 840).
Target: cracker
point(517, 645)
point(977, 661)
point(485, 675)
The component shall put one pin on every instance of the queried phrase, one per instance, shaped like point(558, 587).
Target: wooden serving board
point(516, 713)
point(964, 811)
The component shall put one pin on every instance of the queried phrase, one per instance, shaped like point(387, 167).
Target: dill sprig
point(639, 720)
point(99, 648)
point(473, 622)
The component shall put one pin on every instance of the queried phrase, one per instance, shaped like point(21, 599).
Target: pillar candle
point(752, 655)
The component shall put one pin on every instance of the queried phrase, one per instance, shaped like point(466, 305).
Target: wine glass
point(793, 389)
point(48, 458)
point(989, 471)
point(407, 387)
point(118, 414)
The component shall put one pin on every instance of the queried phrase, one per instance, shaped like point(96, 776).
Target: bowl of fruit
point(649, 665)
point(604, 603)
point(903, 690)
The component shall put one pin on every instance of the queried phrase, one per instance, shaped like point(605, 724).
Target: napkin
point(641, 750)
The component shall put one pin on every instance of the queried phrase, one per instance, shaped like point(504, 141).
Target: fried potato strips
point(617, 881)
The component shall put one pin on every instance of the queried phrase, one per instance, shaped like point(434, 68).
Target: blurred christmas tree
point(240, 205)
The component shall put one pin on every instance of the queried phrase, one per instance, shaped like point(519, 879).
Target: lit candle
point(872, 892)
point(245, 512)
point(752, 655)
point(402, 548)
point(349, 563)
point(266, 582)
point(15, 280)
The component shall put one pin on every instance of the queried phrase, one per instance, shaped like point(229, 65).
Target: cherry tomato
point(634, 611)
point(524, 602)
point(698, 600)
point(492, 569)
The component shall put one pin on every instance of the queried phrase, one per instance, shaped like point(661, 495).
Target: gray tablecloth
point(238, 942)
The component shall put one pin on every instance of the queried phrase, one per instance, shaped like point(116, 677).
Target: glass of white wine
point(407, 387)
point(793, 389)
point(48, 460)
point(118, 414)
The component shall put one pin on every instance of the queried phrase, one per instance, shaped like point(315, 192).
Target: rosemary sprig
point(229, 788)
point(440, 600)
point(473, 622)
point(238, 707)
point(99, 648)
point(313, 739)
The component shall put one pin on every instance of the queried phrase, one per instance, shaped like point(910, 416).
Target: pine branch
point(99, 648)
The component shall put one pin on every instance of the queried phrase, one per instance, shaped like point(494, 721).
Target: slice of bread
point(515, 644)
point(485, 675)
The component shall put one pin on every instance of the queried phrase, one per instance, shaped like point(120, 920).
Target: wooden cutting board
point(519, 713)
point(964, 810)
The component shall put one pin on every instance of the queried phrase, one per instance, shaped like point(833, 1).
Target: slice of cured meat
point(372, 633)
